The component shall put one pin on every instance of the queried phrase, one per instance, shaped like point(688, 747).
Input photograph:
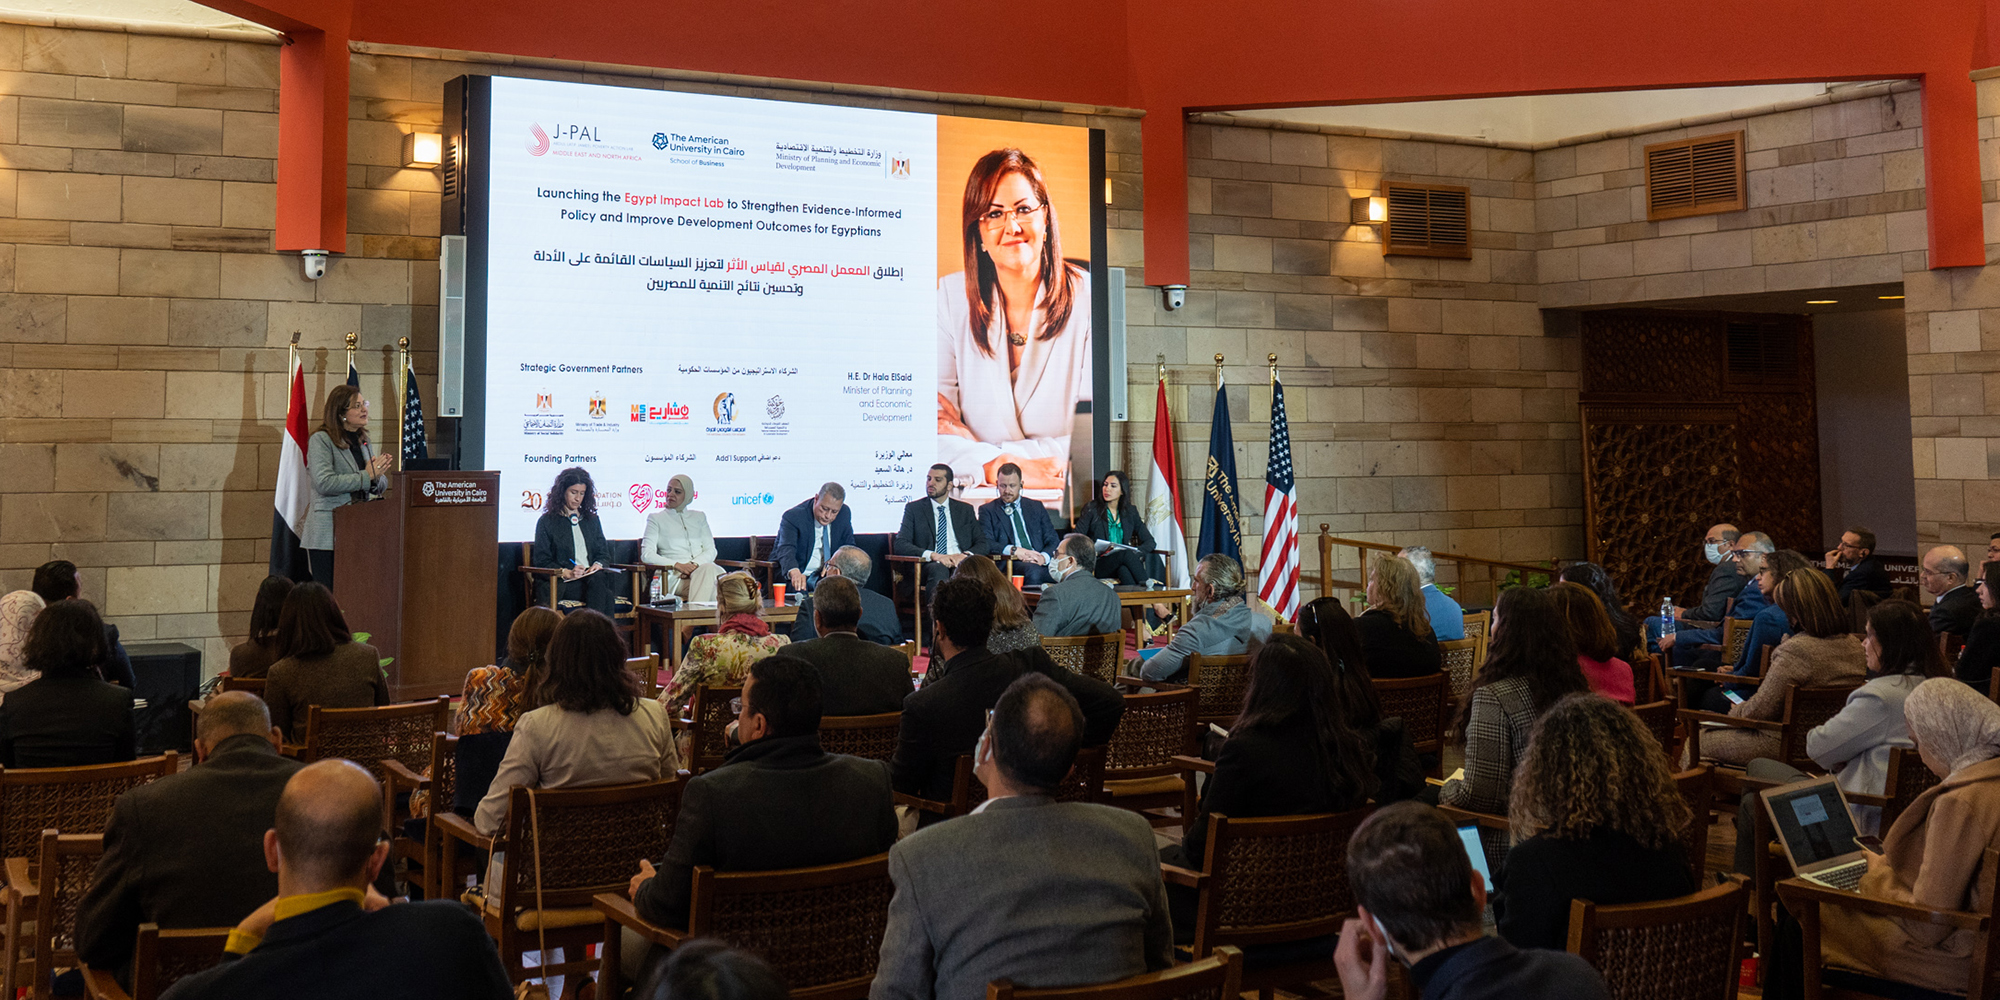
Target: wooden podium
point(415, 571)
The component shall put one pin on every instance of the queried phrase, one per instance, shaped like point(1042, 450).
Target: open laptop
point(1816, 827)
point(1475, 851)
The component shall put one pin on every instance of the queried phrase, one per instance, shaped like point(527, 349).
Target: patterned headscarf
point(17, 616)
point(1953, 723)
point(687, 491)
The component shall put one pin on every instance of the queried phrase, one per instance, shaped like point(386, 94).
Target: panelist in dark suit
point(1078, 604)
point(856, 677)
point(939, 529)
point(1111, 517)
point(809, 533)
point(1019, 528)
point(570, 540)
point(1943, 577)
point(879, 621)
point(1856, 551)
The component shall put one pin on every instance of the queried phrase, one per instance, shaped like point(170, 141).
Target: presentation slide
point(764, 296)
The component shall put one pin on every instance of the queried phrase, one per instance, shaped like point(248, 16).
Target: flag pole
point(1274, 369)
point(291, 361)
point(402, 394)
point(1218, 371)
point(351, 339)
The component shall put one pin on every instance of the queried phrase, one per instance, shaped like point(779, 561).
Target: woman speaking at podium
point(569, 539)
point(343, 470)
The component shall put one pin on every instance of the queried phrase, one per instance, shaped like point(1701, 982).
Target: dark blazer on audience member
point(945, 719)
point(1868, 575)
point(999, 528)
point(1079, 605)
point(1267, 771)
point(1954, 611)
point(67, 722)
point(857, 677)
point(1394, 651)
point(1544, 873)
point(1041, 892)
point(1723, 583)
point(918, 534)
point(185, 851)
point(879, 623)
point(796, 528)
point(1981, 653)
point(779, 802)
point(349, 677)
point(437, 950)
point(1492, 969)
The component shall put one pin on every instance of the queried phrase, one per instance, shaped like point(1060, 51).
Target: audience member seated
point(945, 719)
point(723, 656)
point(1943, 577)
point(1856, 554)
point(857, 677)
point(69, 716)
point(1600, 583)
point(1019, 528)
point(1110, 516)
point(1770, 625)
point(326, 934)
point(1025, 888)
point(253, 657)
point(1076, 604)
point(708, 969)
point(592, 727)
point(1596, 643)
point(1399, 773)
point(188, 850)
point(1223, 623)
point(777, 801)
point(1289, 753)
point(1447, 618)
point(1683, 648)
point(1530, 664)
point(17, 618)
point(494, 699)
point(1595, 816)
point(1420, 903)
point(879, 621)
point(322, 663)
point(1012, 628)
point(1982, 645)
point(1819, 652)
point(57, 581)
point(1723, 583)
point(1396, 629)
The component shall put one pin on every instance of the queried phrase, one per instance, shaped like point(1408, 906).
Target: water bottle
point(1667, 627)
point(657, 593)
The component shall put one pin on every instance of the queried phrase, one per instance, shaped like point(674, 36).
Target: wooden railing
point(1475, 582)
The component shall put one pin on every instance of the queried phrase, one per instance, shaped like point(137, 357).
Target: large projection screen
point(766, 296)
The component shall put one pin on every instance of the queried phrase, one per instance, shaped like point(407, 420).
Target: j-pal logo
point(725, 408)
point(899, 166)
point(598, 406)
point(545, 401)
point(538, 140)
point(677, 413)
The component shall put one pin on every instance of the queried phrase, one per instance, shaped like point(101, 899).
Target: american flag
point(414, 444)
point(1278, 573)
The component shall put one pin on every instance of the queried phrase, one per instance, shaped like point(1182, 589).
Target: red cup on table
point(1019, 582)
point(778, 594)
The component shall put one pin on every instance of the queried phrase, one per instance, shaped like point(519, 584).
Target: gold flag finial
point(1274, 368)
point(352, 338)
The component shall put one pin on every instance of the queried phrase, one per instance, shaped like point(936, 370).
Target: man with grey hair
point(1223, 623)
point(809, 533)
point(879, 622)
point(1078, 603)
point(1447, 617)
point(1752, 549)
point(1944, 578)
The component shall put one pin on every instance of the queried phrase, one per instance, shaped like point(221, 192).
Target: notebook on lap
point(1816, 827)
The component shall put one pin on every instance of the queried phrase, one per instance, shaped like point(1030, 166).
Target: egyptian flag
point(294, 495)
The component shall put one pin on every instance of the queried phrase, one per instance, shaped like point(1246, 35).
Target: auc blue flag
point(1221, 507)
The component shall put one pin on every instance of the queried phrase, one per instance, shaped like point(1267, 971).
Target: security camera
point(1175, 295)
point(315, 263)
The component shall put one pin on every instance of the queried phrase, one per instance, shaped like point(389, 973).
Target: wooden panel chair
point(1805, 708)
point(1141, 772)
point(1659, 718)
point(1687, 948)
point(439, 783)
point(542, 584)
point(1479, 625)
point(647, 669)
point(1083, 783)
point(254, 685)
point(1098, 656)
point(161, 959)
point(706, 725)
point(758, 563)
point(1217, 977)
point(68, 863)
point(1220, 682)
point(819, 928)
point(1950, 643)
point(1908, 778)
point(909, 569)
point(1806, 901)
point(77, 799)
point(1421, 703)
point(1461, 664)
point(371, 736)
point(871, 736)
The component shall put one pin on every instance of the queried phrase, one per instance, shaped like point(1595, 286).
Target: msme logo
point(538, 140)
point(677, 413)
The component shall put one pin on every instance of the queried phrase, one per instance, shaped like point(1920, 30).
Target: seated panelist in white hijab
point(679, 539)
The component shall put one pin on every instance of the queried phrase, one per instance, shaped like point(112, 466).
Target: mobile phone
point(1870, 842)
point(1734, 697)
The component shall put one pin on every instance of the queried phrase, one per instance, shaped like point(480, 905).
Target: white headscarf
point(1953, 723)
point(687, 492)
point(17, 617)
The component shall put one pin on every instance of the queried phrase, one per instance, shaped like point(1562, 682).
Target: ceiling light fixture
point(1822, 302)
point(1889, 298)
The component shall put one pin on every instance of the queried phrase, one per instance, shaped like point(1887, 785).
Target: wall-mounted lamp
point(1107, 190)
point(1368, 211)
point(423, 149)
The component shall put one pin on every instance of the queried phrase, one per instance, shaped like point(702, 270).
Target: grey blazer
point(1220, 629)
point(1040, 892)
point(1079, 605)
point(334, 476)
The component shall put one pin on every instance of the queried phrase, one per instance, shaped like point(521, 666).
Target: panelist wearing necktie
point(810, 533)
point(939, 529)
point(1019, 528)
point(679, 540)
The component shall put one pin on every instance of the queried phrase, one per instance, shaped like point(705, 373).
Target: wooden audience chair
point(1141, 771)
point(254, 685)
point(592, 840)
point(161, 959)
point(870, 736)
point(909, 569)
point(1804, 900)
point(1461, 663)
point(1805, 708)
point(1097, 656)
point(909, 649)
point(1220, 682)
point(1217, 977)
point(77, 799)
point(1908, 778)
point(1949, 643)
point(1479, 625)
point(1083, 783)
point(759, 563)
point(541, 584)
point(1421, 703)
point(819, 928)
point(647, 669)
point(68, 863)
point(371, 736)
point(1270, 881)
point(1659, 718)
point(440, 782)
point(706, 723)
point(1688, 948)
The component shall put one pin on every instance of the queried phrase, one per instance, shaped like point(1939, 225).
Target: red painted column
point(1951, 171)
point(312, 141)
point(1163, 151)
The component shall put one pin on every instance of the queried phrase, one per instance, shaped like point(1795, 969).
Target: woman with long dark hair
point(1530, 664)
point(1596, 642)
point(320, 663)
point(1399, 772)
point(69, 716)
point(1111, 516)
point(570, 540)
point(1982, 645)
point(253, 656)
point(344, 470)
point(1598, 579)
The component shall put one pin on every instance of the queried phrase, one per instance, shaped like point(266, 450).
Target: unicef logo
point(752, 500)
point(659, 140)
point(430, 488)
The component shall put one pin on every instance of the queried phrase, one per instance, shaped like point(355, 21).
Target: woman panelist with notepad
point(570, 540)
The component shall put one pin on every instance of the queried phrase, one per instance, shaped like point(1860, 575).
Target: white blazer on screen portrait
point(1031, 417)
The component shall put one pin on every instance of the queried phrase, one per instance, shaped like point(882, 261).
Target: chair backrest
point(1688, 948)
point(1735, 632)
point(909, 649)
point(1659, 718)
point(1217, 977)
point(1097, 656)
point(1478, 624)
point(68, 862)
point(1460, 664)
point(647, 669)
point(1220, 681)
point(592, 839)
point(1156, 726)
point(708, 717)
point(1697, 788)
point(77, 799)
point(1805, 708)
point(1909, 777)
point(1083, 783)
point(254, 685)
point(1949, 643)
point(1282, 627)
point(163, 958)
point(1277, 879)
point(444, 771)
point(369, 736)
point(819, 928)
point(870, 736)
point(1420, 702)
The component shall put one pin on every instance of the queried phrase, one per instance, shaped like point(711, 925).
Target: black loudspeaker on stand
point(166, 675)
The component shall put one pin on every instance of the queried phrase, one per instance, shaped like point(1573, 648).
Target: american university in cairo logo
point(538, 140)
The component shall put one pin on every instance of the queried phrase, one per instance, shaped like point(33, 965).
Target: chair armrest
point(1690, 623)
point(101, 985)
point(293, 750)
point(1731, 721)
point(400, 776)
point(1795, 891)
point(1182, 876)
point(1865, 799)
point(619, 910)
point(1197, 764)
point(1486, 820)
point(744, 563)
point(893, 557)
point(459, 828)
point(1745, 680)
point(540, 570)
point(921, 804)
point(21, 877)
point(634, 567)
